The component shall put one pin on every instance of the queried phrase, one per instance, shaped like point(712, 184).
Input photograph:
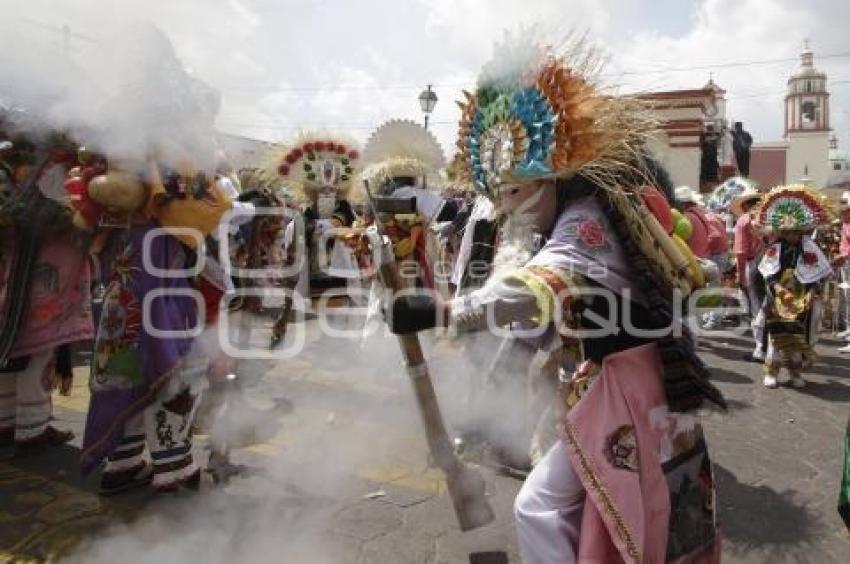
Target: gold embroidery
point(587, 469)
point(579, 383)
point(559, 284)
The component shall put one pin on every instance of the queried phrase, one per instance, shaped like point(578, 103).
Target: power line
point(656, 70)
point(331, 126)
point(290, 126)
point(732, 64)
point(770, 93)
point(365, 126)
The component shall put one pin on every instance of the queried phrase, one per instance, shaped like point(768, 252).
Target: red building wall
point(767, 166)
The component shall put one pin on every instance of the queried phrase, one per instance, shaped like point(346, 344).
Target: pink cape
point(59, 309)
point(615, 436)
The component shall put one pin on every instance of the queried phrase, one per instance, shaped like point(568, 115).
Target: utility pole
point(66, 35)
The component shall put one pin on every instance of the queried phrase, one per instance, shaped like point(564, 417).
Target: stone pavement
point(778, 458)
point(341, 474)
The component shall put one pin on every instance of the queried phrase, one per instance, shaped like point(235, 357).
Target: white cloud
point(737, 31)
point(354, 64)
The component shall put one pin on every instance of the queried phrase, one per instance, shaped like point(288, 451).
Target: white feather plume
point(403, 139)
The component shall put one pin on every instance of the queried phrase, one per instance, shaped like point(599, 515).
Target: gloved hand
point(411, 314)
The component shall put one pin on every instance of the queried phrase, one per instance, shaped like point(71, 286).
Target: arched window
point(808, 112)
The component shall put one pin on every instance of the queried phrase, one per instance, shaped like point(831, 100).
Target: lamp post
point(427, 101)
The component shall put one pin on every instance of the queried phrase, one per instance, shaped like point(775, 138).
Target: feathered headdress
point(722, 197)
point(316, 161)
point(794, 208)
point(401, 148)
point(538, 112)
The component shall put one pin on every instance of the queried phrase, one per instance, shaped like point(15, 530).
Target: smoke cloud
point(349, 412)
point(128, 96)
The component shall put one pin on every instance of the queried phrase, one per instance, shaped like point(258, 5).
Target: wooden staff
point(466, 486)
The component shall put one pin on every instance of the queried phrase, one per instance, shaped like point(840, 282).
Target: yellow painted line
point(18, 558)
point(398, 472)
point(403, 469)
point(432, 481)
point(385, 472)
point(274, 446)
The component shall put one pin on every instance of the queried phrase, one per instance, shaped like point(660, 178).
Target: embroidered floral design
point(621, 448)
point(117, 359)
point(772, 252)
point(591, 233)
point(588, 234)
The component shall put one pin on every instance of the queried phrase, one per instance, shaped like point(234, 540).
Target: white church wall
point(682, 163)
point(808, 157)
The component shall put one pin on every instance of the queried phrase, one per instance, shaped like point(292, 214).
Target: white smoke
point(127, 96)
point(287, 505)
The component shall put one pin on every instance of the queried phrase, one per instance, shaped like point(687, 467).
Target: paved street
point(341, 475)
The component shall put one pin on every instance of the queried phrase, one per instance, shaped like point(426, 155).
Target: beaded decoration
point(316, 162)
point(794, 208)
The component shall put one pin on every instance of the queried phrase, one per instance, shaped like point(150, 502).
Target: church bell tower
point(807, 129)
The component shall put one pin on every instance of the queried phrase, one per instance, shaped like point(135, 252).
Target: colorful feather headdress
point(315, 162)
point(538, 112)
point(401, 148)
point(794, 208)
point(723, 196)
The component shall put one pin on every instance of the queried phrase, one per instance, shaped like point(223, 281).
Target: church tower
point(807, 128)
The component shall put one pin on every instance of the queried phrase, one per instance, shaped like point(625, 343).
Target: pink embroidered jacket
point(59, 309)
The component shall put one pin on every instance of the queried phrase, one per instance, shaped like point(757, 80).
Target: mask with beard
point(525, 212)
point(518, 239)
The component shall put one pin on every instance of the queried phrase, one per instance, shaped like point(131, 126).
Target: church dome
point(807, 65)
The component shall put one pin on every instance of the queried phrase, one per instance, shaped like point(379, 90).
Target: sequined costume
point(794, 268)
point(148, 371)
point(630, 480)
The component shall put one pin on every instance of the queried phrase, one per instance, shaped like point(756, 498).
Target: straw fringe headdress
point(400, 148)
point(539, 112)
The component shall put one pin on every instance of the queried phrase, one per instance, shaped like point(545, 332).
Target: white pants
point(548, 510)
point(25, 403)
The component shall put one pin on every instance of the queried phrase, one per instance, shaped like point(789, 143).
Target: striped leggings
point(165, 428)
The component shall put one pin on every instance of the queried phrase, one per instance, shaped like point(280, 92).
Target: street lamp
point(427, 101)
